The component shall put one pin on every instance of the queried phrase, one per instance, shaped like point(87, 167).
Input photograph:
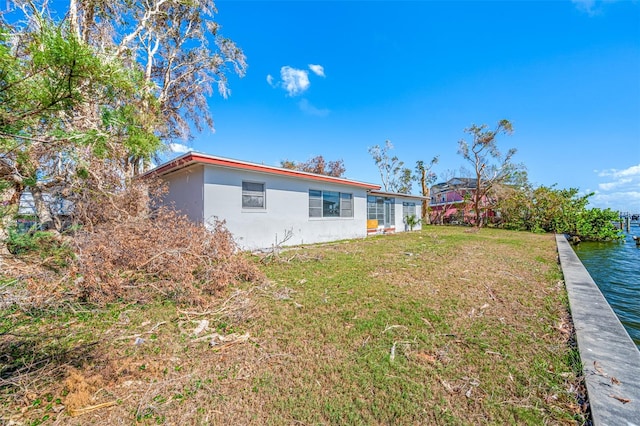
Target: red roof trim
point(194, 158)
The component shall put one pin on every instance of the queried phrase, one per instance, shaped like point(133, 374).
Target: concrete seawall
point(610, 359)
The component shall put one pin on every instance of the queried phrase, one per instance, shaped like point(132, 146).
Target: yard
point(439, 326)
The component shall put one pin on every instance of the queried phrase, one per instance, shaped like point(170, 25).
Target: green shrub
point(49, 247)
point(412, 221)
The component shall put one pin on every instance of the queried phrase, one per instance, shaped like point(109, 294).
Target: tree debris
point(79, 411)
point(621, 399)
point(202, 326)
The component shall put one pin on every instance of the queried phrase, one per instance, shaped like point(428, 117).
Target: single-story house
point(264, 206)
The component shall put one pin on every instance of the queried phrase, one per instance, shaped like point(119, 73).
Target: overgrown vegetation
point(87, 101)
point(442, 326)
point(547, 209)
point(135, 251)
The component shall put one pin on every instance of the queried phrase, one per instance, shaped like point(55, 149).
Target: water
point(615, 267)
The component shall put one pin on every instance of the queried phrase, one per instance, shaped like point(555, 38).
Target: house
point(27, 217)
point(264, 206)
point(451, 201)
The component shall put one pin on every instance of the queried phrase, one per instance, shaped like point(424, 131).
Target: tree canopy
point(490, 166)
point(86, 102)
point(548, 209)
point(395, 177)
point(317, 165)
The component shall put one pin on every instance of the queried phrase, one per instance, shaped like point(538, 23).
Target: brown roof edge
point(197, 158)
point(176, 164)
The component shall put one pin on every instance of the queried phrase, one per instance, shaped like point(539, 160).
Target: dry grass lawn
point(439, 326)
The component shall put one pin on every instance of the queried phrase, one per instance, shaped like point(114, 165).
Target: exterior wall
point(286, 209)
point(185, 192)
point(400, 222)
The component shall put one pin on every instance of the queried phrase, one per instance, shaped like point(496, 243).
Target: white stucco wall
point(400, 225)
point(207, 192)
point(287, 209)
point(186, 192)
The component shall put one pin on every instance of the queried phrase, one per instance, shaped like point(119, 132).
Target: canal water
point(615, 267)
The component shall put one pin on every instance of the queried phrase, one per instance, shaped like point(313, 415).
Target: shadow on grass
point(28, 359)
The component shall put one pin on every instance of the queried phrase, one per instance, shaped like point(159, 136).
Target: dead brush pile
point(165, 255)
point(126, 247)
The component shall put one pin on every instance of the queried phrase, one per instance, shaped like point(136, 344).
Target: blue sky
point(333, 78)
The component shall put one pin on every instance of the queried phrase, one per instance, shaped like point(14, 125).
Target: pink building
point(451, 202)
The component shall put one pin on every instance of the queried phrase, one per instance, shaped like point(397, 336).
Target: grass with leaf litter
point(439, 326)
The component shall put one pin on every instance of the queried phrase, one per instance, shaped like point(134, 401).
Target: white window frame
point(377, 209)
point(317, 209)
point(408, 209)
point(252, 193)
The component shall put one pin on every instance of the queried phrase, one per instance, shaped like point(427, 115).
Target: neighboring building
point(451, 201)
point(60, 208)
point(264, 206)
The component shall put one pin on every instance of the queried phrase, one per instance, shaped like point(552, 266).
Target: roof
point(192, 158)
point(397, 194)
point(456, 183)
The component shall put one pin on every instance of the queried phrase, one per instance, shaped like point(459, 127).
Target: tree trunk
point(426, 217)
point(10, 202)
point(42, 209)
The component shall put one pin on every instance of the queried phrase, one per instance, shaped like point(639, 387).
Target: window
point(253, 195)
point(375, 208)
point(330, 204)
point(315, 203)
point(408, 209)
point(381, 209)
point(346, 205)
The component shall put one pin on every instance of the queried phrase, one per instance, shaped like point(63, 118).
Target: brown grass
point(431, 327)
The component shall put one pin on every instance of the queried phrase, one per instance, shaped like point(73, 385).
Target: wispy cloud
point(307, 108)
point(591, 7)
point(633, 171)
point(317, 69)
point(270, 80)
point(179, 148)
point(620, 190)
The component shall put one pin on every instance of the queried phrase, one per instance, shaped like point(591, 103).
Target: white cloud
point(317, 69)
point(294, 81)
point(585, 5)
point(620, 201)
point(633, 171)
point(620, 190)
point(306, 107)
point(591, 7)
point(608, 186)
point(179, 148)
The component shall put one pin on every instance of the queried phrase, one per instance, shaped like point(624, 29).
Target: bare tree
point(178, 49)
point(489, 165)
point(426, 177)
point(394, 176)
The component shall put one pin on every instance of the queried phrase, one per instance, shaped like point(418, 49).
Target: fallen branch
point(621, 399)
point(75, 412)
